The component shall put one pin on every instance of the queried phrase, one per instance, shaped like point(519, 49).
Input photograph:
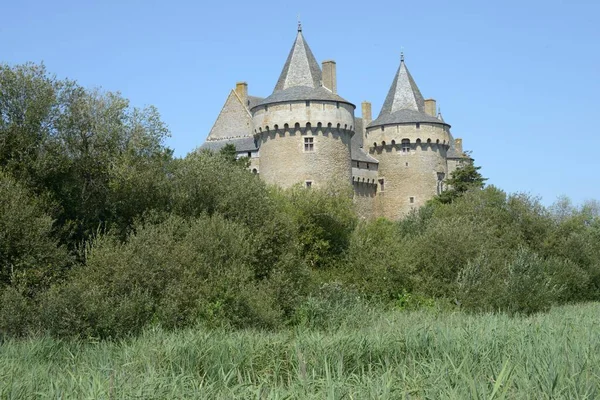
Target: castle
point(304, 132)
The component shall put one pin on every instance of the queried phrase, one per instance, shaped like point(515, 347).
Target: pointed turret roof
point(404, 93)
point(301, 77)
point(301, 67)
point(404, 102)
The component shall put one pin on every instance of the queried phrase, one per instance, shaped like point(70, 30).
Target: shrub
point(376, 262)
point(175, 273)
point(521, 282)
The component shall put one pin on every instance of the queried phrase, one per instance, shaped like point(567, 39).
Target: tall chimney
point(458, 145)
point(430, 107)
point(366, 113)
point(329, 75)
point(241, 88)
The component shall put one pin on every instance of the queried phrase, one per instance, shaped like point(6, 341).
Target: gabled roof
point(301, 67)
point(404, 102)
point(234, 120)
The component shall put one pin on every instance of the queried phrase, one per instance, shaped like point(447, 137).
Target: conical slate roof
point(404, 102)
point(301, 77)
point(301, 67)
point(404, 93)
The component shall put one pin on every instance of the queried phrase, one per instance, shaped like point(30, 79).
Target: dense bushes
point(103, 232)
point(175, 273)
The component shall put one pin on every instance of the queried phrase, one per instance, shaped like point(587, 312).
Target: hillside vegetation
point(104, 234)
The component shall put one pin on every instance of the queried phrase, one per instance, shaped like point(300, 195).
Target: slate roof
point(356, 151)
point(253, 101)
point(301, 68)
point(299, 93)
point(241, 144)
point(301, 78)
point(405, 116)
point(404, 102)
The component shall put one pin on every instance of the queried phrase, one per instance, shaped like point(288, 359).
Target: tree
point(97, 160)
point(464, 178)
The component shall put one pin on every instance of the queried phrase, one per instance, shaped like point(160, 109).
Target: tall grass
point(420, 354)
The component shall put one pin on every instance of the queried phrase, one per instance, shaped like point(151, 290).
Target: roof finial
point(299, 24)
point(402, 54)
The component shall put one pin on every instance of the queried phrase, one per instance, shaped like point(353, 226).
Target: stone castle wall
point(410, 177)
point(281, 130)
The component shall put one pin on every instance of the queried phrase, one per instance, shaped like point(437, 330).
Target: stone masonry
point(305, 133)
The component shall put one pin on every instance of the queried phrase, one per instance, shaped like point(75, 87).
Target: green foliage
point(229, 153)
point(324, 219)
point(376, 355)
point(376, 262)
point(464, 178)
point(84, 149)
point(30, 258)
point(155, 240)
point(523, 283)
point(176, 273)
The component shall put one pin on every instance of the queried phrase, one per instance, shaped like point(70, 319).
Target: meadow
point(367, 354)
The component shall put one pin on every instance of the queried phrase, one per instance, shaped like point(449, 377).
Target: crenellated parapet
point(315, 117)
point(417, 135)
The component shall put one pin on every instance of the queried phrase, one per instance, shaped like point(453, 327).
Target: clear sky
point(517, 80)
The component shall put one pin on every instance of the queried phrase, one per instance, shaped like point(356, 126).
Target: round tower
point(304, 129)
point(410, 143)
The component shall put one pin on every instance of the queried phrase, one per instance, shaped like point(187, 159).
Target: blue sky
point(519, 81)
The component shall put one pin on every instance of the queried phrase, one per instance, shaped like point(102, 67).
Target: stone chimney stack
point(329, 75)
point(241, 88)
point(458, 145)
point(366, 113)
point(430, 107)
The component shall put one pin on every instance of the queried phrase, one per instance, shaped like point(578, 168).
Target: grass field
point(391, 355)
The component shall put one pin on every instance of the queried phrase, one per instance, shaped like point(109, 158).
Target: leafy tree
point(465, 177)
point(29, 256)
point(88, 151)
point(229, 153)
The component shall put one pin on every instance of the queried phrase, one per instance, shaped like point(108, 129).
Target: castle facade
point(305, 133)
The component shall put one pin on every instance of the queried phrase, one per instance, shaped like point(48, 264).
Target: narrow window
point(307, 103)
point(381, 185)
point(337, 104)
point(411, 200)
point(440, 182)
point(367, 165)
point(418, 125)
point(406, 164)
point(405, 145)
point(309, 145)
point(308, 184)
point(249, 154)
